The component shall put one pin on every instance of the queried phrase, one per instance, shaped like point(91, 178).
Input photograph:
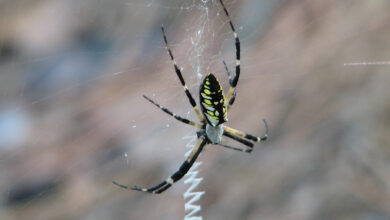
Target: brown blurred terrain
point(72, 116)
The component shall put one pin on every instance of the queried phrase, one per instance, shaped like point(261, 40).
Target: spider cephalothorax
point(213, 114)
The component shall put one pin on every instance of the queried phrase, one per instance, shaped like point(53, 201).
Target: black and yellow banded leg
point(231, 100)
point(237, 44)
point(184, 120)
point(178, 73)
point(241, 134)
point(164, 185)
point(239, 139)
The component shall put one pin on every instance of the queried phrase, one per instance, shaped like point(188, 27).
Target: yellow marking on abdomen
point(207, 101)
point(210, 113)
point(205, 96)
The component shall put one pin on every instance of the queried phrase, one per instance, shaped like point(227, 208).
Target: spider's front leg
point(178, 73)
point(233, 82)
point(164, 185)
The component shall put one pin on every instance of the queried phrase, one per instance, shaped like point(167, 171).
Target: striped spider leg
point(232, 81)
point(164, 185)
point(177, 117)
point(242, 137)
point(248, 136)
point(183, 168)
point(178, 73)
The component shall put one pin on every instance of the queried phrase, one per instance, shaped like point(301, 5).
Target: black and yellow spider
point(214, 107)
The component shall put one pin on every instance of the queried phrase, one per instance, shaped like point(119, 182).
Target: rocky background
point(72, 116)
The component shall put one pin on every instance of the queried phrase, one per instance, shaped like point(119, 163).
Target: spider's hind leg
point(241, 134)
point(164, 185)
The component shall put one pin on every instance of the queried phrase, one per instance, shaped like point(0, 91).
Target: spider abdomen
point(212, 100)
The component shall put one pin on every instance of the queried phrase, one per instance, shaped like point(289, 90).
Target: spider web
point(72, 116)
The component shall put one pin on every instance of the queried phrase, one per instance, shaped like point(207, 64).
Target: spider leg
point(178, 73)
point(164, 185)
point(184, 120)
point(246, 135)
point(236, 148)
point(239, 139)
point(231, 100)
point(234, 81)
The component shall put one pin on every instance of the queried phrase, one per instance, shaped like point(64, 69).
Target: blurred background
point(72, 116)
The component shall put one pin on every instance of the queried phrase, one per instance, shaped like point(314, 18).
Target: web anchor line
point(191, 178)
point(368, 63)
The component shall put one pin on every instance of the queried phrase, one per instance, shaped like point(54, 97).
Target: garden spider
point(214, 107)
